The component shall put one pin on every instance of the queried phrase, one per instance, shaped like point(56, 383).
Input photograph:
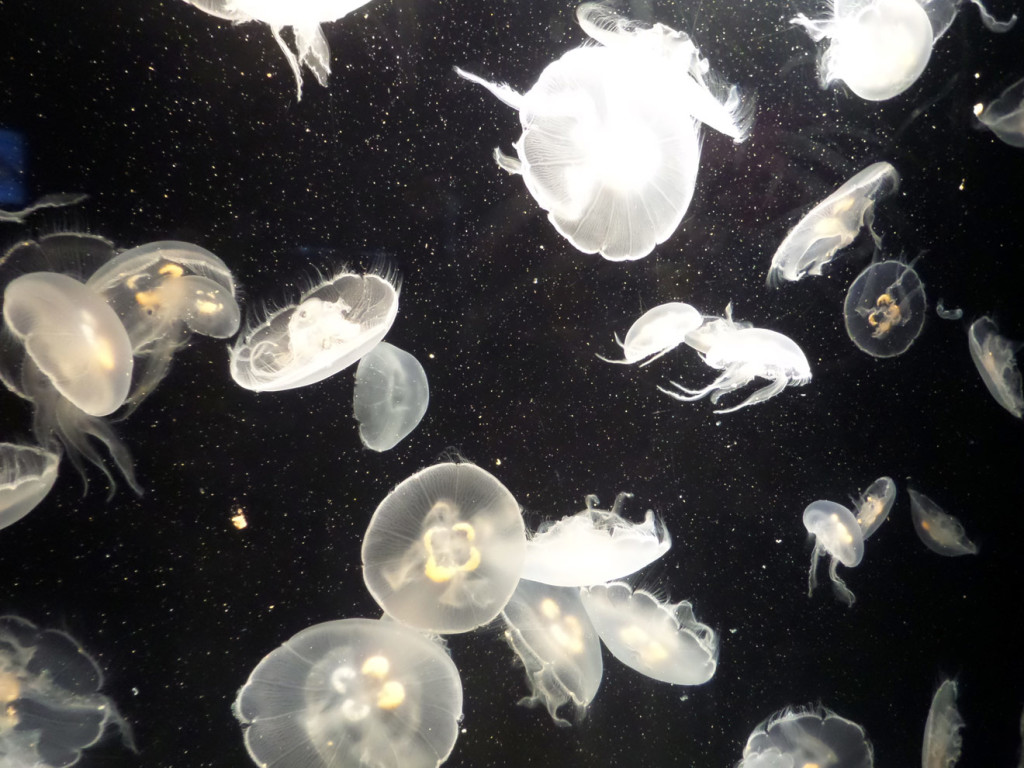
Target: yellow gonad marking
point(206, 307)
point(390, 695)
point(811, 765)
point(442, 573)
point(884, 316)
point(104, 355)
point(133, 281)
point(568, 634)
point(549, 609)
point(173, 270)
point(925, 526)
point(376, 666)
point(148, 298)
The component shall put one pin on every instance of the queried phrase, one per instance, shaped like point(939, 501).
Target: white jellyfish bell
point(837, 534)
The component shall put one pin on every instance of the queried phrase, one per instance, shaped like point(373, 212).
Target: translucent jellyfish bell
point(657, 639)
point(995, 358)
point(800, 738)
point(1005, 116)
point(444, 550)
point(832, 224)
point(941, 745)
point(594, 546)
point(391, 396)
point(938, 530)
point(837, 534)
point(351, 693)
point(27, 473)
point(873, 506)
point(333, 325)
point(885, 308)
point(657, 331)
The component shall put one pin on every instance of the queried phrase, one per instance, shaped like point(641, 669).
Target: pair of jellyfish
point(879, 48)
point(938, 530)
point(391, 396)
point(352, 693)
point(941, 745)
point(611, 133)
point(800, 737)
point(27, 474)
point(832, 224)
point(995, 358)
point(884, 308)
point(304, 18)
point(1005, 116)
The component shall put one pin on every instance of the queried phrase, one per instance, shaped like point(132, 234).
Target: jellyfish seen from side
point(804, 737)
point(884, 309)
point(1005, 116)
point(352, 693)
point(657, 331)
point(873, 505)
point(836, 534)
point(941, 745)
point(391, 396)
point(27, 474)
point(995, 358)
point(938, 530)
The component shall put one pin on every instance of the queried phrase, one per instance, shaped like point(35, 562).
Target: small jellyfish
point(1005, 116)
point(551, 633)
point(947, 314)
point(611, 133)
point(937, 529)
point(941, 745)
point(836, 533)
point(27, 473)
point(333, 325)
point(304, 18)
point(995, 358)
point(832, 224)
point(391, 396)
point(349, 694)
point(657, 331)
point(884, 309)
point(872, 507)
point(594, 546)
point(444, 550)
point(657, 639)
point(805, 737)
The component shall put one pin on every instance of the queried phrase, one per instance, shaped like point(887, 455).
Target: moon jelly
point(352, 693)
point(836, 533)
point(937, 529)
point(657, 331)
point(941, 745)
point(874, 505)
point(884, 309)
point(994, 357)
point(27, 473)
point(391, 396)
point(1005, 116)
point(807, 737)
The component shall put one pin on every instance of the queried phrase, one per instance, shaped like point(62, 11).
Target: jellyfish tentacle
point(765, 393)
point(842, 591)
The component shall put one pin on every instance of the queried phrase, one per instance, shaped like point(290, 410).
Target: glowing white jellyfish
point(657, 331)
point(1005, 116)
point(349, 694)
point(884, 308)
point(873, 506)
point(611, 133)
point(832, 224)
point(941, 745)
point(801, 737)
point(938, 530)
point(27, 473)
point(995, 358)
point(837, 534)
point(391, 396)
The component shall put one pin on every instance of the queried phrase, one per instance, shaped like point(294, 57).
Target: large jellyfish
point(303, 17)
point(391, 396)
point(938, 530)
point(837, 534)
point(873, 506)
point(995, 358)
point(611, 133)
point(333, 325)
point(352, 693)
point(550, 632)
point(1005, 116)
point(27, 473)
point(657, 639)
point(832, 224)
point(594, 546)
point(657, 331)
point(444, 550)
point(941, 745)
point(884, 308)
point(815, 736)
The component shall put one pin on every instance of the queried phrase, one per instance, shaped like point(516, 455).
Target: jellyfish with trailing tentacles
point(836, 534)
point(656, 332)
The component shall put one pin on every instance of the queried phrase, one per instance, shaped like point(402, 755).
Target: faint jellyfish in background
point(594, 546)
point(800, 738)
point(391, 396)
point(657, 331)
point(657, 639)
point(444, 550)
point(52, 708)
point(350, 693)
point(947, 314)
point(27, 473)
point(873, 506)
point(941, 745)
point(332, 326)
point(995, 358)
point(1005, 116)
point(884, 308)
point(611, 133)
point(832, 224)
point(304, 18)
point(837, 533)
point(549, 630)
point(939, 530)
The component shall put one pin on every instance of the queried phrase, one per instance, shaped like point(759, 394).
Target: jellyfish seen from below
point(938, 530)
point(657, 331)
point(941, 745)
point(837, 534)
point(800, 738)
point(27, 473)
point(873, 506)
point(995, 358)
point(391, 396)
point(594, 546)
point(611, 133)
point(352, 693)
point(332, 326)
point(444, 550)
point(884, 308)
point(657, 639)
point(832, 224)
point(549, 630)
point(52, 708)
point(304, 18)
point(1005, 116)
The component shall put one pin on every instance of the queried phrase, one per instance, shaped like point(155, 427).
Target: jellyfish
point(163, 292)
point(391, 396)
point(713, 329)
point(805, 737)
point(836, 533)
point(937, 529)
point(58, 200)
point(656, 638)
point(941, 745)
point(611, 133)
point(551, 634)
point(50, 699)
point(884, 309)
point(304, 18)
point(947, 314)
point(833, 224)
point(27, 473)
point(995, 358)
point(657, 331)
point(444, 550)
point(332, 326)
point(1005, 116)
point(594, 546)
point(872, 507)
point(351, 693)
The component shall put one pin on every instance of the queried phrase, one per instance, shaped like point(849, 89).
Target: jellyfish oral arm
point(504, 93)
